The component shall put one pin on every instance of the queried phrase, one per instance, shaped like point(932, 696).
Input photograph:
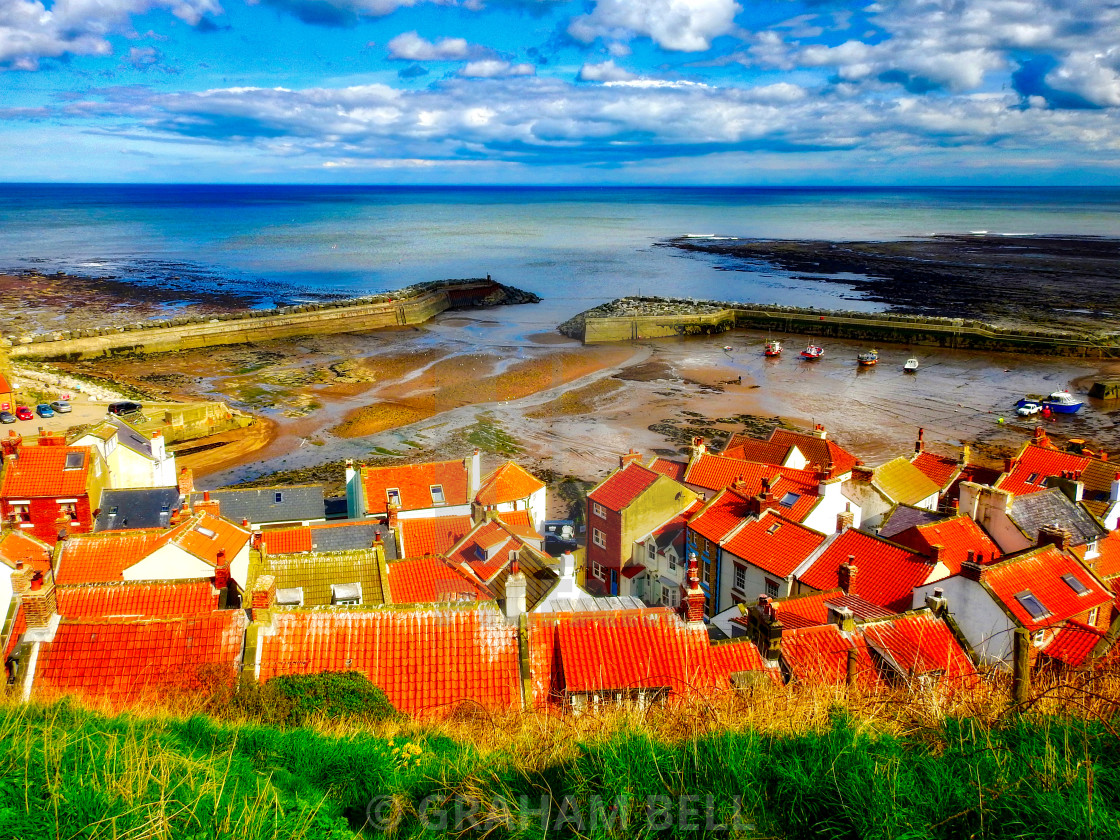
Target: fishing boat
point(911, 365)
point(870, 357)
point(772, 348)
point(812, 351)
point(1059, 402)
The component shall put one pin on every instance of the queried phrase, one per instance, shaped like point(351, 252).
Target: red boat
point(813, 351)
point(773, 348)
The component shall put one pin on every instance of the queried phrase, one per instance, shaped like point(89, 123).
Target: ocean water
point(575, 247)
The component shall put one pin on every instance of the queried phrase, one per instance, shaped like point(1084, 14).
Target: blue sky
point(555, 92)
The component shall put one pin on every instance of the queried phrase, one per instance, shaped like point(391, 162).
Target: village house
point(134, 458)
point(875, 492)
point(142, 507)
point(1015, 522)
point(661, 555)
point(277, 506)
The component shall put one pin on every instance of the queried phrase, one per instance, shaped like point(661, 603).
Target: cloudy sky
point(561, 91)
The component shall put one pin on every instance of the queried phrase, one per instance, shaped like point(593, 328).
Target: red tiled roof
point(125, 660)
point(773, 543)
point(5, 386)
point(486, 535)
point(812, 610)
point(1041, 573)
point(620, 488)
point(918, 643)
point(940, 469)
point(425, 660)
point(758, 451)
point(820, 655)
point(508, 483)
point(205, 536)
point(739, 656)
point(956, 536)
point(19, 547)
point(19, 625)
point(1107, 565)
point(432, 534)
point(673, 469)
point(1073, 643)
point(414, 482)
point(429, 580)
point(40, 471)
point(287, 540)
point(180, 598)
point(715, 472)
point(517, 522)
point(817, 450)
point(1034, 464)
point(103, 557)
point(727, 511)
point(886, 574)
point(804, 491)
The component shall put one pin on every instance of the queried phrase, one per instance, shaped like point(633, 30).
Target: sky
point(610, 92)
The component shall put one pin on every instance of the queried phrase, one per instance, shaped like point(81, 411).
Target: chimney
point(845, 519)
point(697, 449)
point(474, 473)
point(862, 474)
point(972, 570)
point(936, 601)
point(517, 593)
point(221, 570)
point(159, 451)
point(630, 457)
point(1114, 490)
point(846, 575)
point(692, 600)
point(567, 565)
point(920, 444)
point(842, 617)
point(210, 506)
point(391, 515)
point(820, 431)
point(11, 445)
point(935, 553)
point(766, 628)
point(966, 454)
point(263, 599)
point(39, 601)
point(1054, 535)
point(186, 483)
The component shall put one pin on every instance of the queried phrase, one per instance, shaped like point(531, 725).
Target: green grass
point(66, 772)
point(487, 434)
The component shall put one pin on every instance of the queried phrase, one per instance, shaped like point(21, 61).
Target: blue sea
point(575, 247)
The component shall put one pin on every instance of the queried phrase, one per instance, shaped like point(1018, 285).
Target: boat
point(871, 357)
point(1059, 402)
point(773, 348)
point(911, 365)
point(727, 348)
point(812, 351)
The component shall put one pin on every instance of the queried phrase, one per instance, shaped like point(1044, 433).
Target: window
point(671, 561)
point(206, 532)
point(1032, 478)
point(740, 578)
point(599, 538)
point(1031, 604)
point(437, 494)
point(1076, 585)
point(597, 570)
point(75, 460)
point(773, 528)
point(789, 500)
point(21, 513)
point(1091, 619)
point(651, 551)
point(599, 510)
point(114, 508)
point(68, 509)
point(771, 588)
point(279, 497)
point(346, 594)
point(393, 495)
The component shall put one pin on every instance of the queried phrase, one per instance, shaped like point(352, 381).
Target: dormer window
point(292, 597)
point(437, 494)
point(393, 495)
point(346, 594)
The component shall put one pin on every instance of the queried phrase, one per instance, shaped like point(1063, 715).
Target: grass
point(797, 763)
point(488, 435)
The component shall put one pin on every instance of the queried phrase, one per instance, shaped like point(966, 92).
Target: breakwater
point(405, 307)
point(629, 319)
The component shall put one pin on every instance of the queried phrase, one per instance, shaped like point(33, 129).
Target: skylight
point(789, 499)
point(206, 532)
point(1031, 604)
point(437, 494)
point(75, 460)
point(1032, 478)
point(773, 528)
point(279, 497)
point(1076, 585)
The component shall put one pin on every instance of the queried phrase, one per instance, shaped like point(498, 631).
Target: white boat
point(910, 366)
point(813, 351)
point(773, 348)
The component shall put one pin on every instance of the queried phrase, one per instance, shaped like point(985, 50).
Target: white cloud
point(494, 68)
point(409, 46)
point(681, 25)
point(606, 71)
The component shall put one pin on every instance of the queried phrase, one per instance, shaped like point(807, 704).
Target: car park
point(61, 407)
point(25, 413)
point(7, 417)
point(124, 407)
point(44, 410)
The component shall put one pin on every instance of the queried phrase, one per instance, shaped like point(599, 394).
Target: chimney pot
point(205, 495)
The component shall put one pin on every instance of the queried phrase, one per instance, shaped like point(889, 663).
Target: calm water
point(575, 247)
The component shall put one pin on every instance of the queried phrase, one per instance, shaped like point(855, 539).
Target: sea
point(575, 247)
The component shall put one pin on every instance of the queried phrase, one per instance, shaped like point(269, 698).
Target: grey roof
point(146, 507)
point(298, 503)
point(904, 517)
point(1053, 507)
point(134, 440)
point(352, 536)
point(590, 603)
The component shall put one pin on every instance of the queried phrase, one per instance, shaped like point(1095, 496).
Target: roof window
point(437, 494)
point(206, 532)
point(75, 460)
point(393, 495)
point(346, 594)
point(789, 499)
point(1031, 604)
point(292, 597)
point(1032, 478)
point(1075, 584)
point(279, 497)
point(773, 527)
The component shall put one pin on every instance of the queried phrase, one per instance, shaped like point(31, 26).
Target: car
point(24, 413)
point(7, 417)
point(120, 409)
point(61, 407)
point(44, 410)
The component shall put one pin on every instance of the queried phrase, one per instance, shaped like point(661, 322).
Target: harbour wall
point(404, 308)
point(709, 319)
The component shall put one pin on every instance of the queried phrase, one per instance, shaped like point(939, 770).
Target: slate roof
point(773, 543)
point(427, 661)
point(432, 534)
point(902, 517)
point(618, 490)
point(145, 507)
point(940, 469)
point(919, 644)
point(902, 482)
point(811, 610)
point(138, 598)
point(414, 483)
point(316, 573)
point(1042, 572)
point(886, 573)
point(1053, 507)
point(123, 660)
point(429, 580)
point(40, 472)
point(131, 437)
point(819, 654)
point(672, 531)
point(1073, 643)
point(1034, 465)
point(956, 536)
point(329, 536)
point(299, 503)
point(21, 547)
point(508, 483)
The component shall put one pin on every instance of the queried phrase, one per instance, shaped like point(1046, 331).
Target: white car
point(1028, 408)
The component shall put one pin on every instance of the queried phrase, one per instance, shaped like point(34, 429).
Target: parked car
point(61, 407)
point(44, 410)
point(122, 408)
point(7, 417)
point(25, 413)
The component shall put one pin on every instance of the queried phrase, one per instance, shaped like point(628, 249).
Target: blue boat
point(1059, 402)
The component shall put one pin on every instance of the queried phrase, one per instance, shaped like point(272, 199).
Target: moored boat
point(773, 348)
point(870, 357)
point(911, 365)
point(812, 351)
point(1059, 402)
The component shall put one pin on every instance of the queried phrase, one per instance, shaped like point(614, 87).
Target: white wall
point(980, 618)
point(169, 562)
point(755, 582)
point(831, 504)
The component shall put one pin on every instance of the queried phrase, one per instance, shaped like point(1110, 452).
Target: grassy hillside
point(777, 764)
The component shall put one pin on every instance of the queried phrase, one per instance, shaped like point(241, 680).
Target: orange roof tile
point(206, 536)
point(508, 483)
point(40, 471)
point(19, 625)
point(673, 469)
point(886, 574)
point(287, 540)
point(917, 644)
point(623, 486)
point(19, 547)
point(956, 536)
point(414, 482)
point(432, 534)
point(1073, 643)
point(940, 469)
point(103, 557)
point(518, 522)
point(1043, 573)
point(820, 655)
point(425, 660)
point(126, 660)
point(740, 656)
point(428, 580)
point(1107, 564)
point(486, 536)
point(1035, 463)
point(812, 610)
point(817, 450)
point(758, 451)
point(773, 543)
point(180, 598)
point(729, 509)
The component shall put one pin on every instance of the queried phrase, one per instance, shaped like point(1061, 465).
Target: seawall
point(629, 319)
point(414, 305)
